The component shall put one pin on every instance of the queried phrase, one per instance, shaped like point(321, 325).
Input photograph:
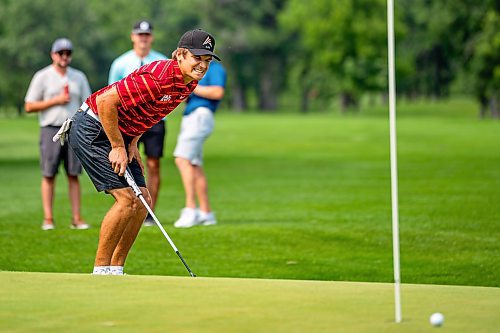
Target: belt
point(85, 108)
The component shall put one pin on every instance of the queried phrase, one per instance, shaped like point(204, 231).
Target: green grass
point(297, 197)
point(42, 302)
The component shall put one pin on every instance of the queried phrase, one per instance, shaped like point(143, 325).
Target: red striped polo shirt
point(147, 95)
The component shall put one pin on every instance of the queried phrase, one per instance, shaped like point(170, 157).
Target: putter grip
point(131, 182)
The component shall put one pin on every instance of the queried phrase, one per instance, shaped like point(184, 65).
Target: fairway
point(48, 302)
point(297, 197)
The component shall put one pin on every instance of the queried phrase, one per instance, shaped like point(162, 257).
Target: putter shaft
point(138, 193)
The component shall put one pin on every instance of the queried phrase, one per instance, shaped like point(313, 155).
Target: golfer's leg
point(114, 223)
point(187, 174)
point(131, 230)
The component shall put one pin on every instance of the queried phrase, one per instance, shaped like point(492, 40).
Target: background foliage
point(308, 54)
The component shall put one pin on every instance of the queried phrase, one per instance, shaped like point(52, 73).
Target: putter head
point(192, 274)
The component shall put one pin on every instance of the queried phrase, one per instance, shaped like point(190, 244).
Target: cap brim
point(200, 52)
point(138, 31)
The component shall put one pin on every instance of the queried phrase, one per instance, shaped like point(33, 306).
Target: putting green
point(49, 302)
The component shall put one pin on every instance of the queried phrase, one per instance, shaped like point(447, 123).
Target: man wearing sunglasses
point(55, 93)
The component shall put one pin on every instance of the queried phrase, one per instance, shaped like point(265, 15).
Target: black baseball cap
point(142, 27)
point(198, 42)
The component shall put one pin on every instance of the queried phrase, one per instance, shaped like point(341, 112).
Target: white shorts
point(196, 127)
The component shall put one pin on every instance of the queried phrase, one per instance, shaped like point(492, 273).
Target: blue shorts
point(91, 145)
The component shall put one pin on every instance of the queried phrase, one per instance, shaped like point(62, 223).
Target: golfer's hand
point(133, 152)
point(119, 160)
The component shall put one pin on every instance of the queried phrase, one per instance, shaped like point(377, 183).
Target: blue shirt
point(215, 76)
point(129, 62)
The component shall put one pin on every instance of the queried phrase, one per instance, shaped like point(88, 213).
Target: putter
point(138, 193)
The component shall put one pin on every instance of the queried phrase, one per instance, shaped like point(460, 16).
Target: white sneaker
point(188, 218)
point(79, 226)
point(206, 218)
point(48, 226)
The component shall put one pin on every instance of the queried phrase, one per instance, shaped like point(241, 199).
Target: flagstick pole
point(394, 163)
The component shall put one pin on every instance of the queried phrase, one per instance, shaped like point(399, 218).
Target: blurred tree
point(486, 62)
point(345, 43)
point(27, 31)
point(441, 42)
point(310, 51)
point(100, 31)
point(252, 46)
point(115, 19)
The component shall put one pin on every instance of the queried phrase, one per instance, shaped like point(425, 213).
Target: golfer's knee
point(134, 207)
point(131, 205)
point(139, 209)
point(146, 195)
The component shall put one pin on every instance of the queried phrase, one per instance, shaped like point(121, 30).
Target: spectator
point(153, 140)
point(55, 92)
point(197, 125)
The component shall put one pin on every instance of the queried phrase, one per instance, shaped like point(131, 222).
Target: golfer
point(105, 131)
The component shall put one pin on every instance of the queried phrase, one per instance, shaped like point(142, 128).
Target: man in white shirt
point(56, 92)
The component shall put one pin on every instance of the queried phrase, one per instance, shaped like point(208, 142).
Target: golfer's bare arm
point(107, 108)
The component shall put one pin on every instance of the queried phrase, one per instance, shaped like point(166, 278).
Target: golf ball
point(437, 319)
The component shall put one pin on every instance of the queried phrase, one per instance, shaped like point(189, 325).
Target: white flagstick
point(394, 162)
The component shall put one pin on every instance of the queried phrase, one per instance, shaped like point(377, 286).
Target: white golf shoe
point(206, 218)
point(188, 218)
point(101, 270)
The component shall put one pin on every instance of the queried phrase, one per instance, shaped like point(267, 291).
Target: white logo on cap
point(144, 26)
point(208, 42)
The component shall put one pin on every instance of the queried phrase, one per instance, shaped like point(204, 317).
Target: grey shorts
point(196, 127)
point(91, 145)
point(52, 153)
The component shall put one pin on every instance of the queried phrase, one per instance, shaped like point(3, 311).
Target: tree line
point(305, 52)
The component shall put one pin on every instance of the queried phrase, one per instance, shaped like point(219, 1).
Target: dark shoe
point(149, 222)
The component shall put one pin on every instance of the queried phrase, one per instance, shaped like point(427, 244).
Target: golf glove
point(61, 134)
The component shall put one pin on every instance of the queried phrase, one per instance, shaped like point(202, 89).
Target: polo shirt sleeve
point(138, 88)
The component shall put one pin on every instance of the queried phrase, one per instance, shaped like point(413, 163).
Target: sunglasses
point(64, 52)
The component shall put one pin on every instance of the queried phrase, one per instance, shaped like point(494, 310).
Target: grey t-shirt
point(48, 83)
